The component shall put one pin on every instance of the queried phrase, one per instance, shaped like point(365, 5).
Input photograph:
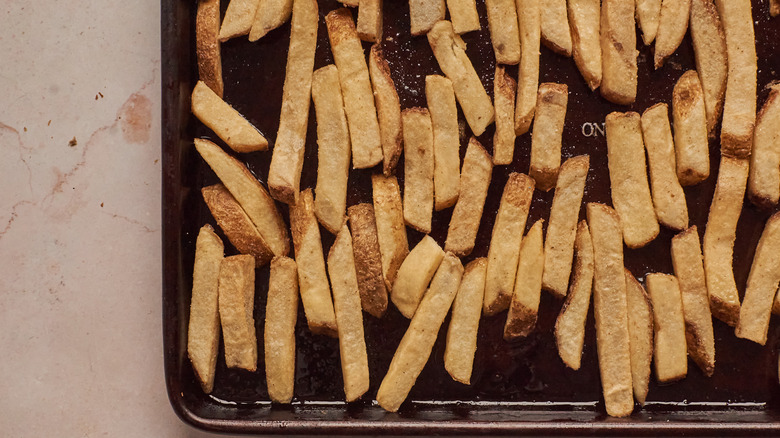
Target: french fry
point(333, 149)
point(464, 323)
point(570, 324)
point(668, 196)
point(418, 169)
point(423, 14)
point(584, 16)
point(764, 182)
point(415, 347)
point(346, 301)
point(529, 23)
point(391, 231)
point(524, 309)
point(369, 21)
point(504, 250)
point(446, 140)
point(671, 354)
point(504, 34)
point(238, 19)
point(270, 15)
point(248, 191)
point(414, 275)
point(555, 27)
point(388, 108)
point(207, 46)
point(467, 214)
point(356, 87)
point(281, 313)
point(368, 260)
point(312, 278)
point(463, 14)
point(562, 228)
point(648, 14)
point(628, 179)
point(774, 10)
point(610, 310)
point(709, 48)
point(548, 130)
point(236, 307)
point(690, 130)
point(672, 27)
point(504, 90)
point(618, 51)
point(640, 331)
point(225, 121)
point(450, 52)
point(203, 328)
point(719, 238)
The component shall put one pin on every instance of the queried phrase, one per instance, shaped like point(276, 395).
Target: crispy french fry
point(281, 313)
point(238, 19)
point(529, 23)
point(640, 331)
point(467, 214)
point(463, 14)
point(555, 27)
point(709, 48)
point(548, 130)
point(414, 275)
point(207, 46)
point(270, 15)
point(618, 51)
point(464, 323)
point(502, 22)
point(369, 21)
point(584, 16)
point(236, 308)
point(450, 52)
point(504, 89)
point(648, 14)
point(415, 347)
point(524, 309)
point(690, 130)
point(774, 10)
point(391, 231)
point(672, 27)
point(423, 14)
point(368, 260)
point(446, 140)
point(225, 121)
point(418, 169)
point(671, 354)
point(764, 182)
point(388, 108)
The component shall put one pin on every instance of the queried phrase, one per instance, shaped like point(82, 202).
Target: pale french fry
point(270, 15)
point(548, 129)
point(504, 89)
point(312, 278)
point(238, 19)
point(648, 14)
point(203, 328)
point(225, 121)
point(418, 169)
point(504, 250)
point(628, 179)
point(690, 130)
point(640, 331)
point(719, 238)
point(524, 308)
point(618, 51)
point(504, 34)
point(570, 324)
point(709, 48)
point(450, 52)
point(464, 323)
point(446, 140)
point(672, 27)
point(562, 228)
point(414, 275)
point(555, 27)
point(467, 214)
point(281, 313)
point(584, 16)
point(529, 23)
point(207, 46)
point(415, 347)
point(463, 14)
point(610, 310)
point(423, 14)
point(236, 308)
point(391, 231)
point(368, 260)
point(356, 87)
point(764, 182)
point(369, 21)
point(388, 108)
point(671, 354)
point(248, 191)
point(346, 301)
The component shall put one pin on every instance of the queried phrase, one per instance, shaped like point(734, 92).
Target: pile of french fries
point(663, 319)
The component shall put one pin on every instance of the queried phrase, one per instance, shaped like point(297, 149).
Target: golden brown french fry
point(648, 14)
point(418, 169)
point(446, 140)
point(610, 310)
point(391, 231)
point(238, 19)
point(709, 48)
point(388, 108)
point(774, 10)
point(562, 228)
point(764, 182)
point(548, 129)
point(529, 23)
point(690, 130)
point(464, 323)
point(504, 89)
point(467, 214)
point(618, 51)
point(368, 260)
point(504, 250)
point(502, 22)
point(450, 52)
point(203, 328)
point(414, 275)
point(236, 308)
point(640, 331)
point(226, 122)
point(248, 191)
point(281, 313)
point(415, 347)
point(672, 27)
point(671, 354)
point(523, 311)
point(423, 14)
point(555, 27)
point(346, 301)
point(270, 15)
point(584, 16)
point(207, 46)
point(628, 179)
point(463, 14)
point(369, 21)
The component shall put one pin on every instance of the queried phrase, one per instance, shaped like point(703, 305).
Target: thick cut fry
point(388, 108)
point(618, 51)
point(690, 130)
point(346, 301)
point(368, 261)
point(238, 19)
point(719, 238)
point(504, 89)
point(689, 269)
point(463, 14)
point(391, 231)
point(207, 46)
point(548, 129)
point(640, 331)
point(414, 275)
point(236, 308)
point(450, 52)
point(648, 14)
point(369, 21)
point(464, 323)
point(502, 22)
point(235, 223)
point(356, 86)
point(628, 179)
point(446, 140)
point(225, 121)
point(584, 18)
point(248, 191)
point(415, 347)
point(671, 354)
point(764, 182)
point(529, 23)
point(570, 325)
point(523, 311)
point(270, 15)
point(281, 313)
point(418, 169)
point(555, 27)
point(709, 48)
point(423, 14)
point(672, 27)
point(467, 214)
point(562, 228)
point(203, 328)
point(312, 278)
point(333, 152)
point(610, 310)
point(504, 250)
